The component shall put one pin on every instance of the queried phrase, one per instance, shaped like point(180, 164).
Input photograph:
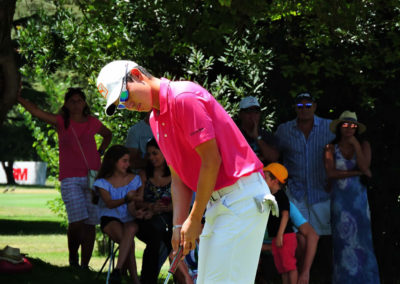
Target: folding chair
point(111, 257)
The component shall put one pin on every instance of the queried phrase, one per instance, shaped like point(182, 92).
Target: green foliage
point(346, 53)
point(57, 206)
point(14, 132)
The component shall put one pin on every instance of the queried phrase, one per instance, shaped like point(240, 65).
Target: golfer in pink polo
point(208, 155)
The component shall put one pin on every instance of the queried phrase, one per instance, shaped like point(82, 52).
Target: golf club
point(174, 264)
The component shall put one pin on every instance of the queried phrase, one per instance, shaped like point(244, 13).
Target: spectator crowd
point(312, 167)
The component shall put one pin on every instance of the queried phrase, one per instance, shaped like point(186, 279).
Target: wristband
point(101, 152)
point(176, 227)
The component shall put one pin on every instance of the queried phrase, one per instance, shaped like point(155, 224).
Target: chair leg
point(111, 264)
point(102, 267)
point(107, 259)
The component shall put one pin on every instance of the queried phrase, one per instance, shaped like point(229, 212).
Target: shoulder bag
point(92, 174)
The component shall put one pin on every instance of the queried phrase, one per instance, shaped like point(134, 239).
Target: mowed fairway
point(26, 222)
point(27, 204)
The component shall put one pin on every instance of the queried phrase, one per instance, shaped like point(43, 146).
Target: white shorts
point(231, 241)
point(78, 201)
point(317, 214)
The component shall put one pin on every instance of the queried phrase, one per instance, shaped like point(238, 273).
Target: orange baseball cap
point(278, 170)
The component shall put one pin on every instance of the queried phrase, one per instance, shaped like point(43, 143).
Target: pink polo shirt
point(71, 160)
point(189, 115)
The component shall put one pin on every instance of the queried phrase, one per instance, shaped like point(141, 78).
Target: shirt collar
point(317, 121)
point(163, 95)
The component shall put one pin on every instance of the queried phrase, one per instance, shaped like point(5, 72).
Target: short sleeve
point(283, 201)
point(60, 123)
point(102, 183)
point(95, 124)
point(296, 217)
point(194, 119)
point(135, 183)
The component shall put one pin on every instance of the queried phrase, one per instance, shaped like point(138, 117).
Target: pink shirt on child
point(71, 161)
point(189, 115)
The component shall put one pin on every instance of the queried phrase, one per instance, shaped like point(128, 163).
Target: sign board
point(33, 173)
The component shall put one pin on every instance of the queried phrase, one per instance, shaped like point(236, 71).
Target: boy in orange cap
point(284, 240)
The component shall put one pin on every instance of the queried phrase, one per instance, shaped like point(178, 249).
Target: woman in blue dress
point(346, 159)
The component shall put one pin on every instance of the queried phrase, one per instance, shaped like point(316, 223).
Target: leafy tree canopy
point(344, 52)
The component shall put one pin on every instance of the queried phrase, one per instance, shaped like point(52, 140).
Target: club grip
point(176, 260)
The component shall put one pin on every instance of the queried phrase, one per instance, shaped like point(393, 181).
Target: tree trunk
point(9, 170)
point(9, 79)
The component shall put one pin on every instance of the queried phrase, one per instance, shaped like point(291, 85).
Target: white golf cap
point(249, 102)
point(110, 79)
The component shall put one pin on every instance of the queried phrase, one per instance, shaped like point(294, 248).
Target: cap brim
point(110, 80)
point(111, 110)
point(297, 100)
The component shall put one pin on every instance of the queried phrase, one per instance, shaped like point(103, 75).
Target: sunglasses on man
point(123, 97)
point(306, 105)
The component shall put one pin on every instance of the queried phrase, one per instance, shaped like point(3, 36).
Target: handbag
point(92, 174)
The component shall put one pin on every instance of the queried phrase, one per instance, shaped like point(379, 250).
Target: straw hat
point(347, 116)
point(278, 170)
point(11, 254)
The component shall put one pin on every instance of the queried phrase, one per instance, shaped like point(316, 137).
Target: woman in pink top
point(75, 123)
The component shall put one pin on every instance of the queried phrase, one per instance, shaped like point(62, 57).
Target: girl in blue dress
point(346, 159)
point(119, 189)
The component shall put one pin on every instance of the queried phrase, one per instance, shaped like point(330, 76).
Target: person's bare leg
point(125, 244)
point(74, 236)
point(130, 230)
point(292, 276)
point(285, 278)
point(115, 231)
point(89, 237)
point(300, 250)
point(310, 238)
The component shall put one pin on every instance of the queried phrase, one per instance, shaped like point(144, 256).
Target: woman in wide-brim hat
point(350, 117)
point(346, 159)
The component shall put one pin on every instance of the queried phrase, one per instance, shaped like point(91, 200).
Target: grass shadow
point(43, 272)
point(26, 186)
point(46, 273)
point(19, 227)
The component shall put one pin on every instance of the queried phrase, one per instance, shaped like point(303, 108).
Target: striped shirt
point(304, 158)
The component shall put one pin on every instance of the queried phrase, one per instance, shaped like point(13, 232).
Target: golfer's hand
point(190, 232)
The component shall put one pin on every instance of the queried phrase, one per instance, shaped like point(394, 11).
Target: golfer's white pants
point(231, 240)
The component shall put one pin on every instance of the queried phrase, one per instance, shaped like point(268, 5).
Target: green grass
point(27, 223)
point(27, 204)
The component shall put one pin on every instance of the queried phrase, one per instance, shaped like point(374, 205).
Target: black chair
point(110, 258)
